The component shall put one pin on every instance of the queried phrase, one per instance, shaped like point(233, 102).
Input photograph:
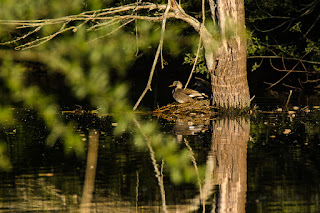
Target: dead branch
point(156, 56)
point(91, 15)
point(311, 81)
point(287, 58)
point(285, 70)
point(291, 87)
point(42, 40)
point(99, 18)
point(272, 85)
point(199, 45)
point(195, 63)
point(118, 28)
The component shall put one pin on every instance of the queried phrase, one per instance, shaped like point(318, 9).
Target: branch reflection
point(90, 171)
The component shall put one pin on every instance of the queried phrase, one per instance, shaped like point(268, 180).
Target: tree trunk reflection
point(225, 183)
point(229, 158)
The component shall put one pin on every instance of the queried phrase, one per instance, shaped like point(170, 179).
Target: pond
point(266, 162)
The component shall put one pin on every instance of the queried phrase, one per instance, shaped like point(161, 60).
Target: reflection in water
point(188, 127)
point(158, 173)
point(229, 153)
point(226, 168)
point(282, 172)
point(90, 171)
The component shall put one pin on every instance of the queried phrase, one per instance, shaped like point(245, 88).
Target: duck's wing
point(193, 93)
point(180, 96)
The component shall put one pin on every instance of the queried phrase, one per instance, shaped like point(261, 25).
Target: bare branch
point(91, 15)
point(272, 85)
point(199, 45)
point(148, 87)
point(23, 37)
point(113, 30)
point(296, 59)
point(42, 40)
point(195, 63)
point(97, 17)
point(179, 13)
point(286, 70)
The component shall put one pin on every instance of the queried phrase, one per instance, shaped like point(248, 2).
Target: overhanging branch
point(97, 19)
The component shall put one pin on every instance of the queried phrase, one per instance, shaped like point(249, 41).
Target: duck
point(185, 95)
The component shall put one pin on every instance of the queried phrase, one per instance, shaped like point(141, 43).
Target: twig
point(288, 98)
point(42, 40)
point(198, 50)
point(113, 30)
point(83, 23)
point(292, 87)
point(252, 98)
point(95, 15)
point(272, 85)
point(108, 23)
point(275, 56)
point(22, 37)
point(194, 64)
point(156, 56)
point(311, 81)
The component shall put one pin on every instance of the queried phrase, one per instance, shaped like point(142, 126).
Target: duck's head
point(177, 84)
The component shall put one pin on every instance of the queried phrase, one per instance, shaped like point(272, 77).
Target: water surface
point(267, 162)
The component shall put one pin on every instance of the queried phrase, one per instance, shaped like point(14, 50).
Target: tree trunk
point(228, 68)
point(225, 57)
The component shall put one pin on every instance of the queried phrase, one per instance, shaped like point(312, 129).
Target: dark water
point(268, 162)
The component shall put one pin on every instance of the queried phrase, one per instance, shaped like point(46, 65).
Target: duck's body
point(184, 95)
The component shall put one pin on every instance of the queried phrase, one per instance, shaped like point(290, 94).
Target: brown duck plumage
point(184, 95)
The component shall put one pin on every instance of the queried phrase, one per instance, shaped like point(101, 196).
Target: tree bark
point(228, 69)
point(225, 57)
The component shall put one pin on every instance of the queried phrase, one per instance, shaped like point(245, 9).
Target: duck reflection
point(188, 127)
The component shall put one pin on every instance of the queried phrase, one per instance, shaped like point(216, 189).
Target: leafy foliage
point(200, 65)
point(94, 67)
point(285, 29)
